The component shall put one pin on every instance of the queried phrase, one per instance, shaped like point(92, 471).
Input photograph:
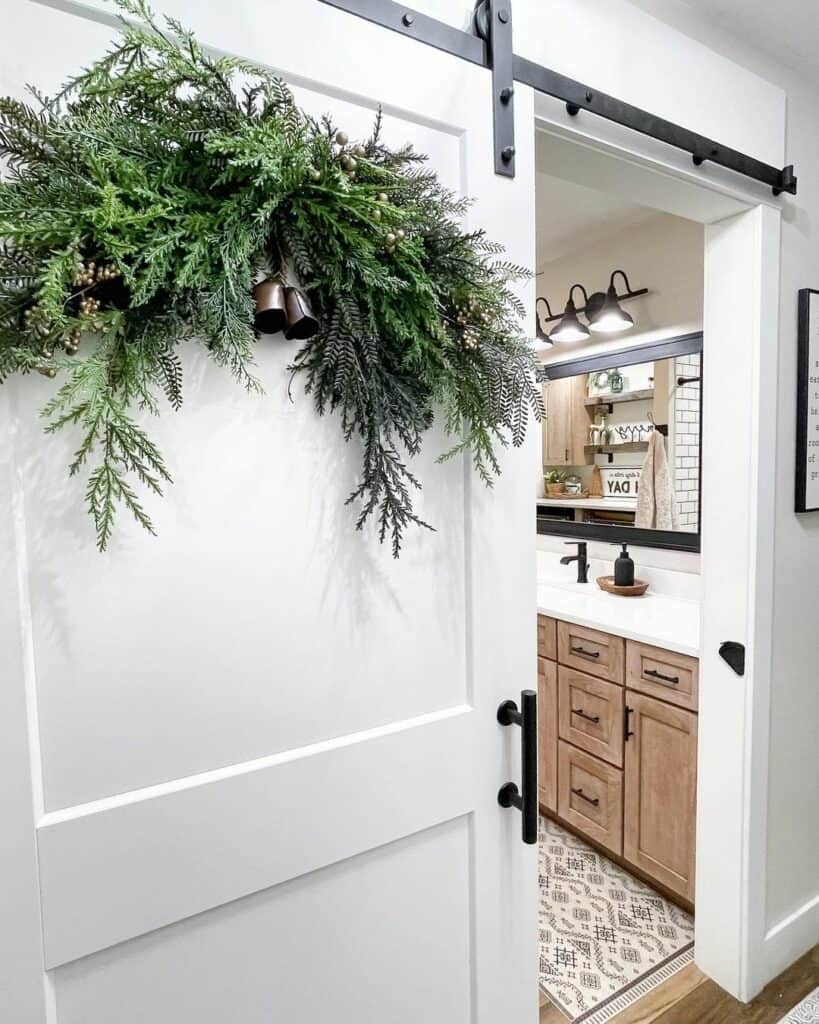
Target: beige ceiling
point(571, 216)
point(787, 30)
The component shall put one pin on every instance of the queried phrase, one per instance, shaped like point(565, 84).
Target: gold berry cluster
point(392, 238)
point(90, 273)
point(467, 315)
point(36, 321)
point(71, 341)
point(89, 305)
point(348, 158)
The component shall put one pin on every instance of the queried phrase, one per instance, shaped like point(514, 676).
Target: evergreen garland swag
point(140, 205)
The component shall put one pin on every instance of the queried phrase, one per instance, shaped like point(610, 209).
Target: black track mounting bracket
point(493, 23)
point(490, 46)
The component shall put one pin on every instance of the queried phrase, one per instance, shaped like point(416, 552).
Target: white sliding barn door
point(248, 769)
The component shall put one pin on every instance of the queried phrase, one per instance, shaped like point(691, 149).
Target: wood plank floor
point(690, 997)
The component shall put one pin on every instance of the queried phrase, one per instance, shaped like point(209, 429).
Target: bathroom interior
point(617, 489)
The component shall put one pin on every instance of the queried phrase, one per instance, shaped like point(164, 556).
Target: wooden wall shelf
point(624, 396)
point(614, 449)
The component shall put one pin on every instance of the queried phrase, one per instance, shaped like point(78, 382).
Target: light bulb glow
point(569, 332)
point(612, 322)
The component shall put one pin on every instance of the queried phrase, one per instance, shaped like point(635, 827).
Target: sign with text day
point(807, 404)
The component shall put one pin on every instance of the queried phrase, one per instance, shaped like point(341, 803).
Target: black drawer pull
point(594, 802)
point(627, 730)
point(594, 719)
point(658, 675)
point(584, 653)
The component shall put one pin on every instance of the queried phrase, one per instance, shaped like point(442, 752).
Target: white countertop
point(663, 621)
point(615, 504)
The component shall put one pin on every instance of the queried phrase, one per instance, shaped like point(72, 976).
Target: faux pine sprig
point(140, 205)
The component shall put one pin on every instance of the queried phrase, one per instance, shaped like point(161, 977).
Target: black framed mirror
point(608, 414)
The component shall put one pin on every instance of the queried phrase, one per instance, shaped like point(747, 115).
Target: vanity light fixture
point(570, 328)
point(602, 310)
point(542, 339)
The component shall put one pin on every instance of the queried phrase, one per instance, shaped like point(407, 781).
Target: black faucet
point(581, 559)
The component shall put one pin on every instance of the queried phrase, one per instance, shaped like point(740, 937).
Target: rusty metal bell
point(270, 316)
point(301, 322)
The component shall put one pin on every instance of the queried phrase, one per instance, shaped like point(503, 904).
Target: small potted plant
point(555, 482)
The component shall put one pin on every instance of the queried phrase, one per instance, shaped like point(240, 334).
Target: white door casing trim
point(742, 314)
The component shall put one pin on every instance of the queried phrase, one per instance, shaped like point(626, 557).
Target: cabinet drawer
point(662, 674)
point(547, 637)
point(591, 651)
point(547, 732)
point(591, 714)
point(590, 796)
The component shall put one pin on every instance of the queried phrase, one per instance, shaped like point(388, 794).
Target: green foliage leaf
point(142, 203)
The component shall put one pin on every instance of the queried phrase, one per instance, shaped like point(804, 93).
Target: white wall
point(791, 893)
point(661, 253)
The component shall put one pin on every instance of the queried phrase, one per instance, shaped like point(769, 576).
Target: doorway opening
point(648, 393)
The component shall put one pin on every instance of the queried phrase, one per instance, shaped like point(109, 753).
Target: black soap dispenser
point(624, 569)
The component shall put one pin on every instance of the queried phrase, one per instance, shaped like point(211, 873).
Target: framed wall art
point(807, 403)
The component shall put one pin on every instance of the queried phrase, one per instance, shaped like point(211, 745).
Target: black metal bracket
point(493, 22)
point(733, 654)
point(491, 47)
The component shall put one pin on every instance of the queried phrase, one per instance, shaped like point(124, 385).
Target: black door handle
point(509, 795)
point(594, 719)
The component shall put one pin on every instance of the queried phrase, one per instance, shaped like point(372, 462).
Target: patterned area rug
point(606, 939)
point(807, 1012)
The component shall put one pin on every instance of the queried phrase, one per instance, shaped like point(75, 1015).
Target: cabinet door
point(547, 732)
point(557, 425)
point(661, 784)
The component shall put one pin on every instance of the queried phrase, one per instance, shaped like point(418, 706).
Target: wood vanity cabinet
point(592, 651)
point(566, 424)
point(663, 674)
point(547, 711)
point(661, 792)
point(618, 747)
point(547, 732)
point(546, 638)
point(590, 714)
point(590, 797)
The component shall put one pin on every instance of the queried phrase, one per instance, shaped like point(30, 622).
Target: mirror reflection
point(621, 445)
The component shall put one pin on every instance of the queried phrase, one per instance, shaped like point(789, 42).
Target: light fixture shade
point(610, 318)
point(569, 328)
